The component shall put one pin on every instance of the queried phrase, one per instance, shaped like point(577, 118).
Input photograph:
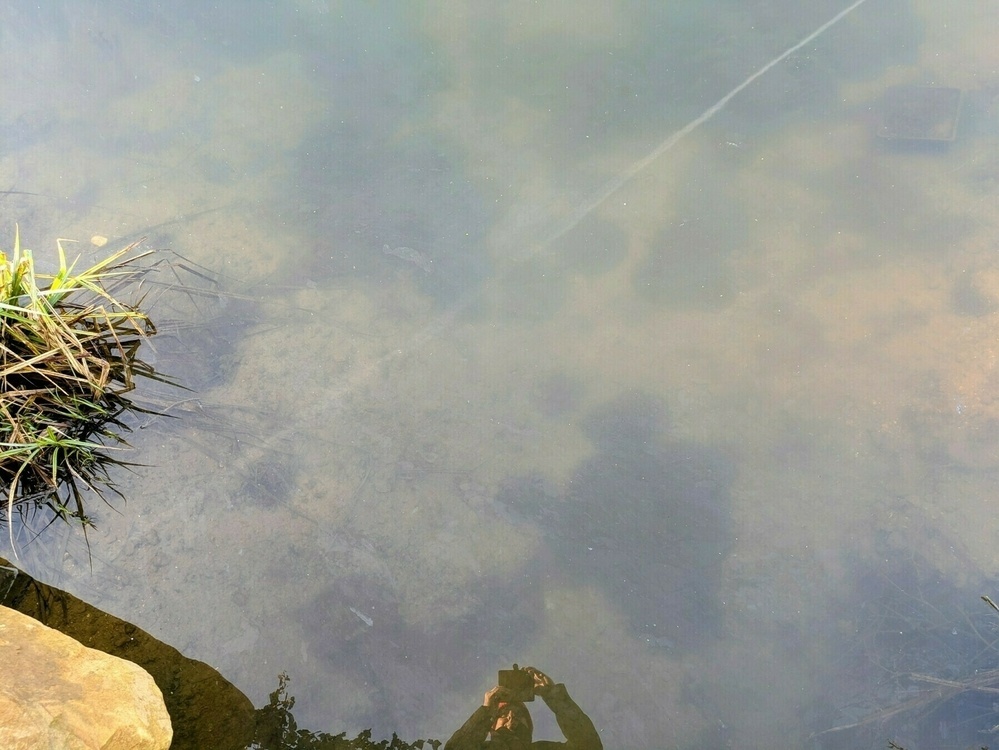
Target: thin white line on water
point(618, 181)
point(445, 319)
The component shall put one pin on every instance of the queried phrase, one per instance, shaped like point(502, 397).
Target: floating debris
point(410, 255)
point(364, 618)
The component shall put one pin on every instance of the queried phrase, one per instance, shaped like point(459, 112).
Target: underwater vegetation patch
point(917, 658)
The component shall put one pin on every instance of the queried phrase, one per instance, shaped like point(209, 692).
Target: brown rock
point(207, 711)
point(56, 692)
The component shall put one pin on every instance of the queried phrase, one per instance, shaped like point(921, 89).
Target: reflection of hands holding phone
point(497, 695)
point(505, 719)
point(542, 682)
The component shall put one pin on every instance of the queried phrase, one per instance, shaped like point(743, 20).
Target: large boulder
point(57, 693)
point(207, 710)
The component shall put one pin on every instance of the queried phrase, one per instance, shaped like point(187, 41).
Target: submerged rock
point(206, 710)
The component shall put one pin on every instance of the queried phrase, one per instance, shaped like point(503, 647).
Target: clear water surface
point(710, 437)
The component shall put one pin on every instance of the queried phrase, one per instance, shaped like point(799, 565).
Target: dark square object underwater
point(920, 113)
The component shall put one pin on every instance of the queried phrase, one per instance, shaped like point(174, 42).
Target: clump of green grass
point(69, 355)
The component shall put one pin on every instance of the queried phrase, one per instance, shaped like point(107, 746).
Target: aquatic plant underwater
point(69, 357)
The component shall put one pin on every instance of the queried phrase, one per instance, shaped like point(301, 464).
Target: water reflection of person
point(507, 722)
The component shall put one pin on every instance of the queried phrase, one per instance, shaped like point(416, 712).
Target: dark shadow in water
point(372, 174)
point(967, 297)
point(366, 190)
point(206, 711)
point(408, 667)
point(646, 519)
point(206, 352)
point(918, 659)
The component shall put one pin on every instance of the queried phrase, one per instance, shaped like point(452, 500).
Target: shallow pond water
point(475, 381)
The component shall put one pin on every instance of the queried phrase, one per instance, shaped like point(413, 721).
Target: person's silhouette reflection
point(504, 718)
